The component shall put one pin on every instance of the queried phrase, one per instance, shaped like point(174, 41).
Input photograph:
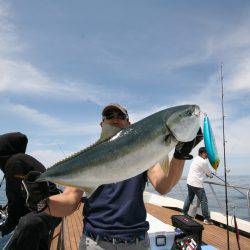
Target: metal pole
point(224, 149)
point(248, 201)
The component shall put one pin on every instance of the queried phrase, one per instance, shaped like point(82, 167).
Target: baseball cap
point(115, 106)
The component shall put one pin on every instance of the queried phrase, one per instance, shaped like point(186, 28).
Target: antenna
point(224, 148)
point(61, 149)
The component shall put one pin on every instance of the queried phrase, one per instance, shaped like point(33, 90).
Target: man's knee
point(204, 200)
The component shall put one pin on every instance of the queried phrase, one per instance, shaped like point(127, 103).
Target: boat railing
point(245, 191)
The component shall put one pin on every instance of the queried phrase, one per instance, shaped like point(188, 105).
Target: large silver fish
point(128, 153)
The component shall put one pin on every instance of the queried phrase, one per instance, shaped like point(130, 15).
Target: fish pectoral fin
point(167, 137)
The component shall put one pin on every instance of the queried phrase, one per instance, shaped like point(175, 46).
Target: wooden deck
point(212, 234)
point(72, 230)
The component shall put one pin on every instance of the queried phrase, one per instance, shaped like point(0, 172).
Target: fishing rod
point(2, 208)
point(2, 181)
point(214, 174)
point(224, 148)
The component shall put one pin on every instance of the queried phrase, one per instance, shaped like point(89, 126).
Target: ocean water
point(3, 201)
point(237, 202)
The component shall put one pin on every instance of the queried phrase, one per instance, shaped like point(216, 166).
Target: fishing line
point(229, 184)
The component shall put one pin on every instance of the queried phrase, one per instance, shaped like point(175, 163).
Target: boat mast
point(224, 149)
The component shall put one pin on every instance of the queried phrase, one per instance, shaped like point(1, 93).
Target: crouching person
point(35, 229)
point(15, 164)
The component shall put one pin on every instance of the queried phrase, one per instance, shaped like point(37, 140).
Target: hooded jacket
point(11, 144)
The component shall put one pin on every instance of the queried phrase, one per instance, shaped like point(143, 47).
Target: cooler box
point(161, 235)
point(189, 226)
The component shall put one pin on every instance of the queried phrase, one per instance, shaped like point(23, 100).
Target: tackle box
point(189, 226)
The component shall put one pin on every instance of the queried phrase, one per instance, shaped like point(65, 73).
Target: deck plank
point(71, 233)
point(73, 242)
point(79, 221)
point(67, 236)
point(76, 235)
point(55, 237)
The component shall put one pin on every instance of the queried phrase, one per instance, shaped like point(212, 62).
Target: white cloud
point(22, 78)
point(234, 49)
point(48, 157)
point(238, 137)
point(8, 39)
point(231, 47)
point(33, 115)
point(240, 76)
point(136, 116)
point(196, 57)
point(44, 120)
point(228, 42)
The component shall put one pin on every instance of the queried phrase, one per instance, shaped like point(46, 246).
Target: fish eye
point(189, 112)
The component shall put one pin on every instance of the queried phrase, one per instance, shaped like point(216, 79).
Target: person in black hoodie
point(15, 164)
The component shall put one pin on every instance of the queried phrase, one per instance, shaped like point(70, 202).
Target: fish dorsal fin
point(99, 141)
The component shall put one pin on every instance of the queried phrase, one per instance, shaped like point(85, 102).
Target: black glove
point(183, 149)
point(37, 192)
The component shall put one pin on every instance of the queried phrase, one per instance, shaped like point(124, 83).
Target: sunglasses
point(115, 115)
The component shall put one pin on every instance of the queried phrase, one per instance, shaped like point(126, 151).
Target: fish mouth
point(196, 111)
point(184, 123)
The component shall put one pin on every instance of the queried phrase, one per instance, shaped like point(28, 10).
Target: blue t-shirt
point(117, 210)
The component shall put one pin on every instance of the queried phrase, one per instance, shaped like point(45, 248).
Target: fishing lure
point(210, 144)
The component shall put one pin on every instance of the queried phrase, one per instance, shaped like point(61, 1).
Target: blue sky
point(62, 61)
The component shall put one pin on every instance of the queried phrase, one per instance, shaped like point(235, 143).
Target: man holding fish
point(114, 172)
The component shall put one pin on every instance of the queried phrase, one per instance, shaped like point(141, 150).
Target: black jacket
point(16, 164)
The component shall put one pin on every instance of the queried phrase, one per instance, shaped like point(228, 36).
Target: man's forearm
point(174, 175)
point(63, 204)
point(176, 169)
point(164, 181)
